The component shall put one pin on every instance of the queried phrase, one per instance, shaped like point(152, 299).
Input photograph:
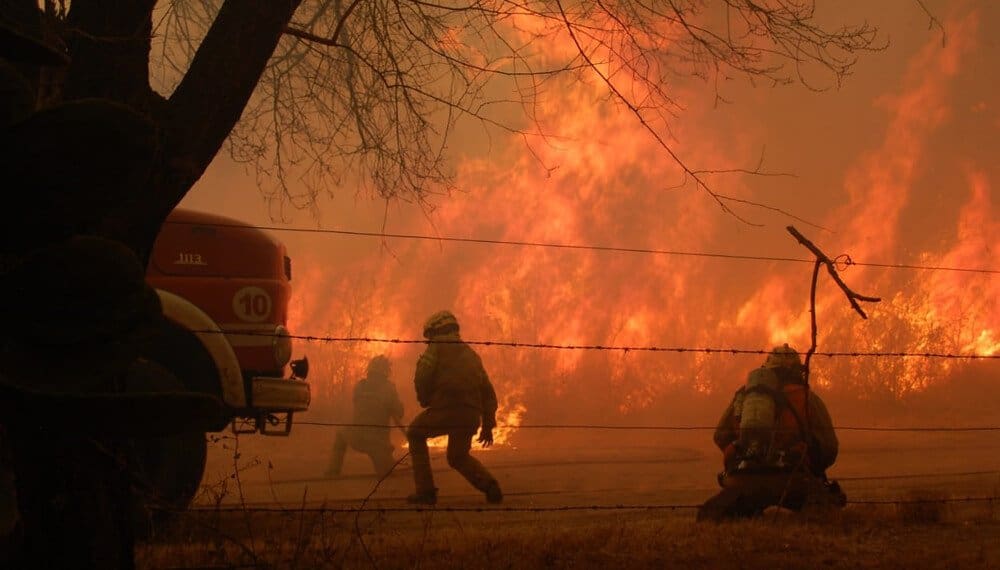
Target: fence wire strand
point(555, 508)
point(602, 347)
point(584, 247)
point(609, 427)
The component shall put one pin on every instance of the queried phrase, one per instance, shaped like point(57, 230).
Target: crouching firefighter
point(376, 402)
point(777, 441)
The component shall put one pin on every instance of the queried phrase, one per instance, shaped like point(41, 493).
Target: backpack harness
point(782, 453)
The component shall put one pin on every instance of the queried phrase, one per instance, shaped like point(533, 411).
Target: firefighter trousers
point(459, 425)
point(745, 495)
point(380, 452)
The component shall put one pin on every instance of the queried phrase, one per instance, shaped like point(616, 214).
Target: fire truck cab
point(224, 287)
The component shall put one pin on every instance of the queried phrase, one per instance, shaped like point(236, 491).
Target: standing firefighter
point(376, 402)
point(777, 441)
point(452, 385)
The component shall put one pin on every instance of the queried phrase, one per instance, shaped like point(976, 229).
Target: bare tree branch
point(852, 297)
point(831, 267)
point(316, 95)
point(933, 22)
point(369, 91)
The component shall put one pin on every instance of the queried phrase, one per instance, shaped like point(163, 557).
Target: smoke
point(898, 167)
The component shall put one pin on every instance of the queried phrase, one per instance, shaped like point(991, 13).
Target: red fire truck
point(224, 287)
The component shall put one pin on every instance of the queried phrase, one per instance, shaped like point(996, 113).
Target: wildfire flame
point(608, 183)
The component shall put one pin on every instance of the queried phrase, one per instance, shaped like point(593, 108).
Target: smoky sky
point(898, 165)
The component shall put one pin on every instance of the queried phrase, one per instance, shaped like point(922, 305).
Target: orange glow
point(605, 182)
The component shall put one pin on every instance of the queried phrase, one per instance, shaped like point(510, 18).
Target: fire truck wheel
point(167, 470)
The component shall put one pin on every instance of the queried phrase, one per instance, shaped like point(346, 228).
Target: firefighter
point(789, 469)
point(376, 402)
point(453, 386)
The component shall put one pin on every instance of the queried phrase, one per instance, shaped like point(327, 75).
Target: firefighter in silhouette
point(777, 441)
point(453, 386)
point(376, 402)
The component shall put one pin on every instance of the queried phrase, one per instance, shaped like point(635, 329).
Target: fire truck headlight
point(282, 346)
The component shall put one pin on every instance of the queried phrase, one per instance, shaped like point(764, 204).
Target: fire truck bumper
point(279, 395)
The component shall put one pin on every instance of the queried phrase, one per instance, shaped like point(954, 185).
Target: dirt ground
point(617, 499)
point(599, 468)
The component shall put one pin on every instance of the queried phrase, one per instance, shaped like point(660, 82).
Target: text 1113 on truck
point(224, 287)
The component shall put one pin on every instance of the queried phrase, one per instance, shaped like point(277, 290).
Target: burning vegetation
point(927, 251)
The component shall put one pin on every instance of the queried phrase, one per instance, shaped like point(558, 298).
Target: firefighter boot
point(493, 493)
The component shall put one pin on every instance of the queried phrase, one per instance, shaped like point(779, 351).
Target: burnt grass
point(860, 536)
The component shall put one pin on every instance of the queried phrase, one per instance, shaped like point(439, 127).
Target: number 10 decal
point(252, 304)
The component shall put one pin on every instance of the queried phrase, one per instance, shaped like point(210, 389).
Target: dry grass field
point(611, 503)
point(855, 538)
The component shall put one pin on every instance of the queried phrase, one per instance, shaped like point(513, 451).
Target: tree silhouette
point(326, 88)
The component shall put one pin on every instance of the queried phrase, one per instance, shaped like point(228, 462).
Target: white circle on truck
point(252, 304)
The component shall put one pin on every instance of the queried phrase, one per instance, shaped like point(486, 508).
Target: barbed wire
point(955, 474)
point(554, 508)
point(927, 501)
point(522, 243)
point(611, 427)
point(516, 466)
point(602, 347)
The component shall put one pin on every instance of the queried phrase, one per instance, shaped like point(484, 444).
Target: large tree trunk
point(109, 42)
point(208, 103)
point(110, 45)
point(113, 159)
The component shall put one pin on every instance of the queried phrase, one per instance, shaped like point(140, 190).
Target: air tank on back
point(757, 413)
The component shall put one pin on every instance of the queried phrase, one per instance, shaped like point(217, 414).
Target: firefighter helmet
point(379, 366)
point(783, 356)
point(440, 322)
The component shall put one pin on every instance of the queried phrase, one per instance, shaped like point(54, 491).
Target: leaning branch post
point(852, 297)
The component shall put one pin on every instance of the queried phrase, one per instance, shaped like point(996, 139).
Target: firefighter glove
point(485, 436)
